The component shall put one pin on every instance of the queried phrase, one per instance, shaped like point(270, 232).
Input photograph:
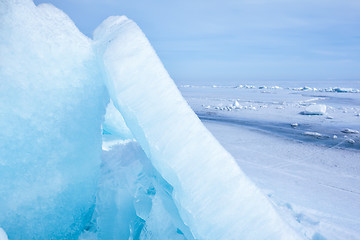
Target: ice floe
point(313, 134)
point(315, 109)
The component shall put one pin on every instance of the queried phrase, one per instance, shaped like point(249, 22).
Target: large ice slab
point(213, 196)
point(52, 101)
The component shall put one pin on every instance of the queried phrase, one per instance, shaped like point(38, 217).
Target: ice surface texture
point(114, 124)
point(213, 196)
point(52, 102)
point(176, 182)
point(134, 201)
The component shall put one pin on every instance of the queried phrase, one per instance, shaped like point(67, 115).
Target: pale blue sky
point(239, 40)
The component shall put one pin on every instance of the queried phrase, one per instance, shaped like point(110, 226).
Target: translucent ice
point(175, 182)
point(213, 196)
point(114, 123)
point(52, 101)
point(134, 201)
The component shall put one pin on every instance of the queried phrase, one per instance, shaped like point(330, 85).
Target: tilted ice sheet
point(214, 198)
point(52, 100)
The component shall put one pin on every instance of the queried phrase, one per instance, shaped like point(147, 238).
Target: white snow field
point(315, 187)
point(98, 143)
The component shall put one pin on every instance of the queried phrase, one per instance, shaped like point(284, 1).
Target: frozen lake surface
point(308, 165)
point(323, 116)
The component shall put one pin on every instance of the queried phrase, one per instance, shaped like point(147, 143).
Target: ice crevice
point(166, 177)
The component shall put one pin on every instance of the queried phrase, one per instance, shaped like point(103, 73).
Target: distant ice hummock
point(315, 109)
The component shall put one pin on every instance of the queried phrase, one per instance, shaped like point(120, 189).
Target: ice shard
point(115, 125)
point(213, 196)
point(52, 102)
point(134, 201)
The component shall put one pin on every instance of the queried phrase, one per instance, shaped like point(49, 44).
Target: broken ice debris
point(313, 134)
point(350, 131)
point(237, 105)
point(315, 109)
